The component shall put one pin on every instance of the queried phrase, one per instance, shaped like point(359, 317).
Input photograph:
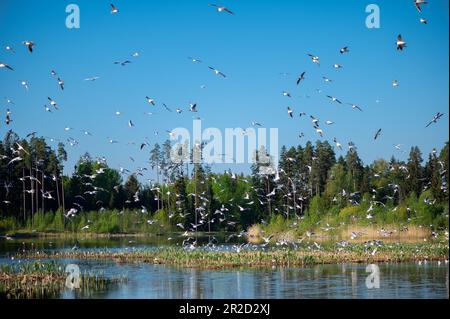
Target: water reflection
point(408, 280)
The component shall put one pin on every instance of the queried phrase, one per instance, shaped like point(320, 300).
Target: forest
point(311, 186)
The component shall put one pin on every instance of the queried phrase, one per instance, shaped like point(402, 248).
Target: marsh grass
point(305, 255)
point(37, 280)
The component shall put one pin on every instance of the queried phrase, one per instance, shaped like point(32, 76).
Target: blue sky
point(253, 48)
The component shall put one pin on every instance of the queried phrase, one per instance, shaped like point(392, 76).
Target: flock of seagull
point(221, 215)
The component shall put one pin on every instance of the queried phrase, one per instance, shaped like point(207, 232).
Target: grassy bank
point(45, 280)
point(305, 255)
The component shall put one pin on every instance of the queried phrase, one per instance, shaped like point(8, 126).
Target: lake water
point(407, 280)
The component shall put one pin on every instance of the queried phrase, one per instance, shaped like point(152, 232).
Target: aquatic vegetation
point(254, 256)
point(46, 280)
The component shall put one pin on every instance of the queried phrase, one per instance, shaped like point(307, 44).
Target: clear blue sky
point(262, 40)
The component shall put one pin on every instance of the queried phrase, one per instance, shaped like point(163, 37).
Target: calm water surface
point(409, 280)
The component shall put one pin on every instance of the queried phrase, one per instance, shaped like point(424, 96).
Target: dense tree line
point(309, 180)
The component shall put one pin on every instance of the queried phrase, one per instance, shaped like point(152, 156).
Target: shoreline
point(200, 259)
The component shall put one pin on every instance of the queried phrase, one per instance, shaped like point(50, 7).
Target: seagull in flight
point(290, 112)
point(114, 10)
point(344, 50)
point(334, 99)
point(217, 72)
point(401, 44)
point(53, 103)
point(61, 83)
point(435, 118)
point(195, 60)
point(9, 48)
point(314, 58)
point(4, 65)
point(221, 8)
point(92, 79)
point(355, 107)
point(338, 145)
point(287, 94)
point(150, 101)
point(422, 20)
point(29, 45)
point(193, 107)
point(123, 63)
point(24, 84)
point(418, 3)
point(301, 78)
point(377, 134)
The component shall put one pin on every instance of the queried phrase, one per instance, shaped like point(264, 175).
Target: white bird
point(130, 123)
point(338, 145)
point(217, 72)
point(435, 118)
point(25, 84)
point(401, 44)
point(355, 107)
point(334, 99)
point(195, 60)
point(221, 8)
point(319, 131)
point(15, 159)
point(395, 83)
point(290, 112)
point(114, 9)
point(418, 3)
point(193, 107)
point(29, 45)
point(344, 50)
point(422, 20)
point(150, 101)
point(314, 58)
point(92, 79)
point(61, 83)
point(5, 66)
point(9, 48)
point(53, 103)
